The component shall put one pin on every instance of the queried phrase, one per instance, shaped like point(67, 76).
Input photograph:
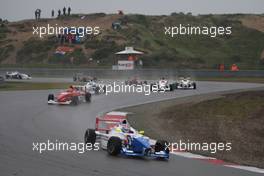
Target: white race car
point(17, 75)
point(162, 85)
point(117, 137)
point(94, 87)
point(185, 83)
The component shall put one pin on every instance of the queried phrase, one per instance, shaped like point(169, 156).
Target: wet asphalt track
point(25, 118)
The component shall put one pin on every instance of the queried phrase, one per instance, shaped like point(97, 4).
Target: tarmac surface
point(26, 119)
point(108, 73)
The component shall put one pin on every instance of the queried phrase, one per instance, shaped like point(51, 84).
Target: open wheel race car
point(135, 81)
point(80, 77)
point(162, 85)
point(95, 87)
point(17, 75)
point(74, 95)
point(185, 83)
point(115, 135)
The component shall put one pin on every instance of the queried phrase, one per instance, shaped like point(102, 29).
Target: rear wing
point(80, 88)
point(105, 125)
point(109, 120)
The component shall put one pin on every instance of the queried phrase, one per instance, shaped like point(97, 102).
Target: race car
point(17, 75)
point(94, 87)
point(119, 138)
point(74, 95)
point(185, 83)
point(162, 85)
point(80, 77)
point(135, 81)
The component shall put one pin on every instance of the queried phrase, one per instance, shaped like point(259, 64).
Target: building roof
point(129, 50)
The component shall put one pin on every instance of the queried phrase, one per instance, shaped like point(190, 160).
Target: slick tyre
point(97, 90)
point(90, 136)
point(104, 89)
point(153, 87)
point(75, 100)
point(194, 85)
point(176, 85)
point(161, 145)
point(50, 97)
point(172, 87)
point(114, 146)
point(88, 97)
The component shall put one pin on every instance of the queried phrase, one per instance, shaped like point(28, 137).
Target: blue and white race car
point(119, 138)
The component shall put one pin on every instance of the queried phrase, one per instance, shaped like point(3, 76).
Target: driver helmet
point(125, 127)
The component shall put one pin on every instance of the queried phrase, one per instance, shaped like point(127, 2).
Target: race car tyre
point(75, 100)
point(19, 77)
point(90, 136)
point(161, 145)
point(151, 87)
point(88, 97)
point(176, 85)
point(194, 85)
point(104, 89)
point(96, 90)
point(154, 88)
point(114, 145)
point(172, 87)
point(50, 97)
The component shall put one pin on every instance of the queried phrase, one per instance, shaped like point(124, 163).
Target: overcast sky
point(14, 10)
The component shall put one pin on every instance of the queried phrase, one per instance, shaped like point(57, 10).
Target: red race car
point(135, 81)
point(74, 95)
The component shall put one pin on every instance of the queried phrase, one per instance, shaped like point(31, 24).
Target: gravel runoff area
point(216, 117)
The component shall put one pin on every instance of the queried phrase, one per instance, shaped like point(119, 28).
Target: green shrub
point(95, 43)
point(4, 51)
point(35, 51)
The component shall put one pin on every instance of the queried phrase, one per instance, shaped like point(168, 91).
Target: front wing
point(161, 154)
point(102, 138)
point(185, 86)
point(59, 103)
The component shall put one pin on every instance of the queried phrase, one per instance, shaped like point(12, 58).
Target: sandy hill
point(18, 46)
